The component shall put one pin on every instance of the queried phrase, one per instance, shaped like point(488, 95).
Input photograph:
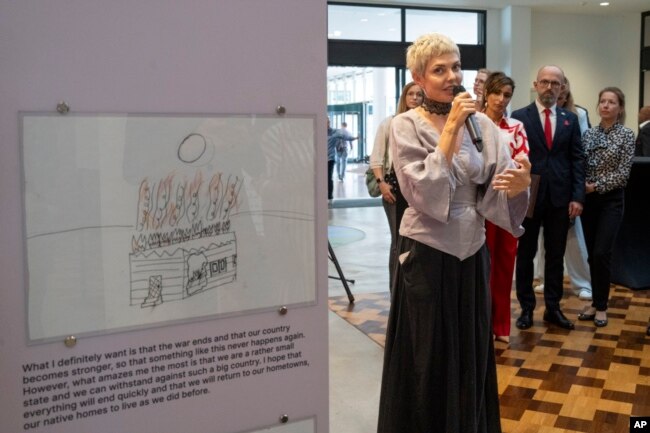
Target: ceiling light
point(604, 3)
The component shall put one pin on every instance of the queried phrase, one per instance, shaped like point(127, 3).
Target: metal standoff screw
point(283, 310)
point(70, 341)
point(280, 109)
point(284, 418)
point(62, 107)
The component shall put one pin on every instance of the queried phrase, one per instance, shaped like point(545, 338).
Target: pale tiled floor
point(356, 360)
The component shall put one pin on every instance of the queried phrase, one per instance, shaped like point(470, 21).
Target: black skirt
point(439, 369)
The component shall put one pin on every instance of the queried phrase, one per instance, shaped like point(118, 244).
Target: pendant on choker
point(435, 107)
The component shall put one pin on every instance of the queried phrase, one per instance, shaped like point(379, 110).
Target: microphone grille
point(458, 89)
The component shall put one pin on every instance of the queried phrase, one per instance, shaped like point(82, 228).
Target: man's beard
point(547, 99)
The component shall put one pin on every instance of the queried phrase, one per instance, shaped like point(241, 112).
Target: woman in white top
point(479, 85)
point(381, 164)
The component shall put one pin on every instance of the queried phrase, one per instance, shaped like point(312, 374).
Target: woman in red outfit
point(502, 245)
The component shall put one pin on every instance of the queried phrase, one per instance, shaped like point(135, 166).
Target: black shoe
point(525, 321)
point(557, 318)
point(600, 323)
point(585, 316)
point(648, 330)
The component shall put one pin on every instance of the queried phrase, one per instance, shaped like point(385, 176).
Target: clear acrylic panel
point(138, 220)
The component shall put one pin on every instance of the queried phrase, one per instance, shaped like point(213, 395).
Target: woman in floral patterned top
point(609, 149)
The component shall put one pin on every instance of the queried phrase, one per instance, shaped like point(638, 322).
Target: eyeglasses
point(546, 83)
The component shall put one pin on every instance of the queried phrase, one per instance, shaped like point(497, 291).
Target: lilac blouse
point(448, 205)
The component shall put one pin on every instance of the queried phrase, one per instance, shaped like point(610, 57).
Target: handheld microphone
point(471, 124)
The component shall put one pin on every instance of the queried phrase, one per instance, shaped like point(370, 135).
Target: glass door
point(362, 97)
point(353, 115)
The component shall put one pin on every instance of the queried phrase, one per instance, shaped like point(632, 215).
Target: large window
point(364, 23)
point(396, 24)
point(462, 27)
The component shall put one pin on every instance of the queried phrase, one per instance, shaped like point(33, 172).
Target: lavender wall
point(162, 56)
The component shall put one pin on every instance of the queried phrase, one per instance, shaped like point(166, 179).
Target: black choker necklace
point(435, 107)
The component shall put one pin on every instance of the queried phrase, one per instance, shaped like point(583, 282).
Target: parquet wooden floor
point(551, 380)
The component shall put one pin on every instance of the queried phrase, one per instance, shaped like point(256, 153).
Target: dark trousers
point(330, 182)
point(555, 221)
point(601, 219)
point(394, 213)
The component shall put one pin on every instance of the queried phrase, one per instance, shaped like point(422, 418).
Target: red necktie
point(548, 129)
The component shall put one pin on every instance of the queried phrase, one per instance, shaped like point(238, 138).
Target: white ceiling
point(590, 7)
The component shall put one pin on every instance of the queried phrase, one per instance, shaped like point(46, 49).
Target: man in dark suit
point(557, 157)
point(643, 138)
